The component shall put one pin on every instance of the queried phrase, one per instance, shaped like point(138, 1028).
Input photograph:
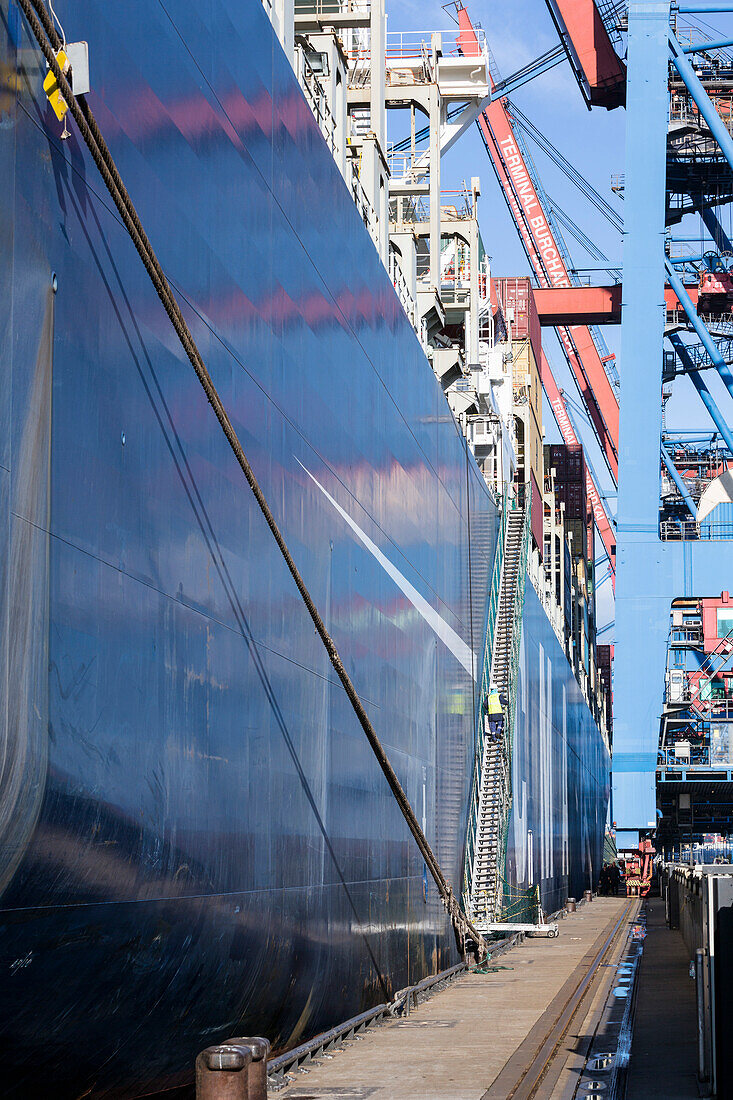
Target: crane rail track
point(528, 1069)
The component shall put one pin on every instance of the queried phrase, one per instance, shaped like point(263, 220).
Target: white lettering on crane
point(541, 241)
point(563, 422)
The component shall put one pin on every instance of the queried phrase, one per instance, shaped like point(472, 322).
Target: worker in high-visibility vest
point(494, 719)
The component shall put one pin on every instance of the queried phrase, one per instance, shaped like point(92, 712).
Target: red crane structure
point(545, 258)
point(565, 424)
point(600, 73)
point(547, 262)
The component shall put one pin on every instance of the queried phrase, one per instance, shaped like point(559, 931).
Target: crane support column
point(652, 571)
point(640, 597)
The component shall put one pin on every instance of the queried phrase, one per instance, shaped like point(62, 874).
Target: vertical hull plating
point(194, 837)
point(560, 773)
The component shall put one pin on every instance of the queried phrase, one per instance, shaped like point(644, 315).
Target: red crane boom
point(546, 259)
point(600, 73)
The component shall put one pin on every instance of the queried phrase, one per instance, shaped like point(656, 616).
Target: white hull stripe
point(446, 633)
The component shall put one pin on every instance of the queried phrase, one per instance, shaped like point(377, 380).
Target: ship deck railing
point(409, 56)
point(343, 12)
point(401, 288)
point(316, 95)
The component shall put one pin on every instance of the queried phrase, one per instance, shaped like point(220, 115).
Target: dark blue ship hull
point(195, 840)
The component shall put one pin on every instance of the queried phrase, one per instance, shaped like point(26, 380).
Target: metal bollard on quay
point(260, 1049)
point(588, 895)
point(234, 1070)
point(571, 905)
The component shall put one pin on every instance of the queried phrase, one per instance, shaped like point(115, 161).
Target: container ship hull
point(560, 773)
point(195, 839)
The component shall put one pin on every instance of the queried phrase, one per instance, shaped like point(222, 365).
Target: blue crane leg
point(700, 327)
point(694, 86)
point(705, 395)
point(641, 607)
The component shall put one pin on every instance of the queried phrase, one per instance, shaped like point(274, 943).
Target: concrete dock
point(471, 1040)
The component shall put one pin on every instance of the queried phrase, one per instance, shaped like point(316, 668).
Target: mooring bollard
point(259, 1048)
point(222, 1072)
point(571, 905)
point(588, 895)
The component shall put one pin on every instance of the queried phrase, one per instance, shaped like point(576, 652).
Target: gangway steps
point(486, 879)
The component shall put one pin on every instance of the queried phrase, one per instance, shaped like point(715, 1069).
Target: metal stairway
point(491, 799)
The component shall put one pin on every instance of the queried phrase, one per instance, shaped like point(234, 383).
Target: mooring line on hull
point(244, 629)
point(39, 21)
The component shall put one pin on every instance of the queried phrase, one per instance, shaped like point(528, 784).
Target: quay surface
point(473, 1040)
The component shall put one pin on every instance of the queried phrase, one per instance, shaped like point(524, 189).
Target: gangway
point(492, 790)
point(510, 928)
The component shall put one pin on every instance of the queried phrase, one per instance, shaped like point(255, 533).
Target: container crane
point(545, 257)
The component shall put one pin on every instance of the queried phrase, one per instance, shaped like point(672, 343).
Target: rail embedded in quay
point(533, 1061)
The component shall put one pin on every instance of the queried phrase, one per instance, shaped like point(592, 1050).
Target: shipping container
point(577, 528)
point(516, 295)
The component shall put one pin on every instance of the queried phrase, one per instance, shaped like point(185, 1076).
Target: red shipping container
point(516, 293)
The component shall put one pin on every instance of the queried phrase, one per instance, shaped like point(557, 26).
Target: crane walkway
point(489, 1034)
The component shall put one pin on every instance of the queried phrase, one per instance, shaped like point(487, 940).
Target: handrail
point(690, 530)
point(316, 96)
point(514, 680)
point(363, 205)
point(402, 289)
point(324, 8)
point(699, 756)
